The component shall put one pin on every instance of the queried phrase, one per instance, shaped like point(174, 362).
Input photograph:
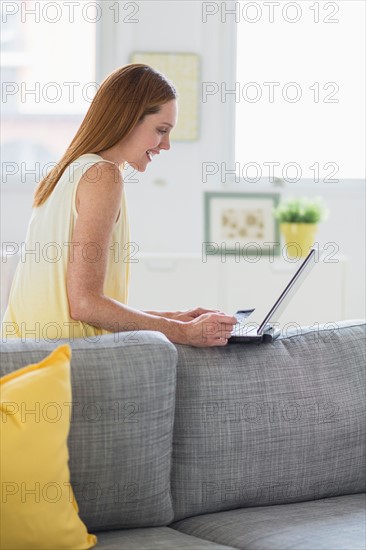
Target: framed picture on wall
point(183, 69)
point(241, 223)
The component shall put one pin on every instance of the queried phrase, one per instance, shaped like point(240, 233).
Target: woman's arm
point(98, 203)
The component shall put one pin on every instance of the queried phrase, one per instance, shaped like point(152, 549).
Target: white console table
point(180, 281)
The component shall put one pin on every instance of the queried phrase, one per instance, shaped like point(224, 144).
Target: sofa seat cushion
point(154, 538)
point(120, 440)
point(270, 424)
point(336, 523)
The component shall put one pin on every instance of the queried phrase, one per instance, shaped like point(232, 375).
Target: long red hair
point(123, 99)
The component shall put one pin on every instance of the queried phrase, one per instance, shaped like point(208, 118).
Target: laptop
point(266, 331)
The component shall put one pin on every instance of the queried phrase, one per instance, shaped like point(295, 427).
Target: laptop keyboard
point(244, 329)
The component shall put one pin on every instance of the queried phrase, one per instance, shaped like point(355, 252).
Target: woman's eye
point(162, 131)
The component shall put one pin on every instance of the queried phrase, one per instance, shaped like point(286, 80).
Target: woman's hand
point(198, 327)
point(190, 314)
point(208, 330)
point(184, 316)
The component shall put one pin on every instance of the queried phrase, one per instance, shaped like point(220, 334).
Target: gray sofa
point(243, 447)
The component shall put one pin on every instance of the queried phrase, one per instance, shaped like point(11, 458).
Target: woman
point(72, 280)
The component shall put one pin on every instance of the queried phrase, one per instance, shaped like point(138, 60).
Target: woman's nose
point(165, 143)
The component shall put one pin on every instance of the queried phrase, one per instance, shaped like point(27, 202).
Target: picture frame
point(241, 223)
point(183, 70)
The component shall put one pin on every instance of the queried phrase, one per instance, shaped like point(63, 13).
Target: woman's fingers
point(212, 329)
point(197, 311)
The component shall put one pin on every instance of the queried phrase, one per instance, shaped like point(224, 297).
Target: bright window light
point(47, 83)
point(300, 80)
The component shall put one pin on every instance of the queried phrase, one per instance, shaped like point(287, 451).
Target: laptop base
point(268, 335)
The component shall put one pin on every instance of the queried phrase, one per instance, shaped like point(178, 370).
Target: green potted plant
point(299, 218)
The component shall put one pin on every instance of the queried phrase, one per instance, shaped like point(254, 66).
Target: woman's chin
point(137, 167)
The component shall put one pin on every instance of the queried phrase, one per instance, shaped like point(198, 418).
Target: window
point(300, 90)
point(47, 83)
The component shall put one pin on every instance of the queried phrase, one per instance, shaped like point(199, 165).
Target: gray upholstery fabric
point(156, 538)
point(270, 424)
point(254, 425)
point(336, 523)
point(120, 440)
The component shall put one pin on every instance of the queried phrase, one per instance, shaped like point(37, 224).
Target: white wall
point(169, 217)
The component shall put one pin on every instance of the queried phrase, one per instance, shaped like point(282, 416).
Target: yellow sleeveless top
point(38, 304)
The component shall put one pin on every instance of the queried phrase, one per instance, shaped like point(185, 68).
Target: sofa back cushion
point(270, 424)
point(120, 441)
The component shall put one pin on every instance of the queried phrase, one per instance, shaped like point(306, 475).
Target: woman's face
point(149, 137)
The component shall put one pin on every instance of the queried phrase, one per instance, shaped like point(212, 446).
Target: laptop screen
point(292, 287)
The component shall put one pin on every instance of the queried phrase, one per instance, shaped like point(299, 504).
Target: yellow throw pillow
point(38, 507)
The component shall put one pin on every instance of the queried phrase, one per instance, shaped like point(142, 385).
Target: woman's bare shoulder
point(102, 183)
